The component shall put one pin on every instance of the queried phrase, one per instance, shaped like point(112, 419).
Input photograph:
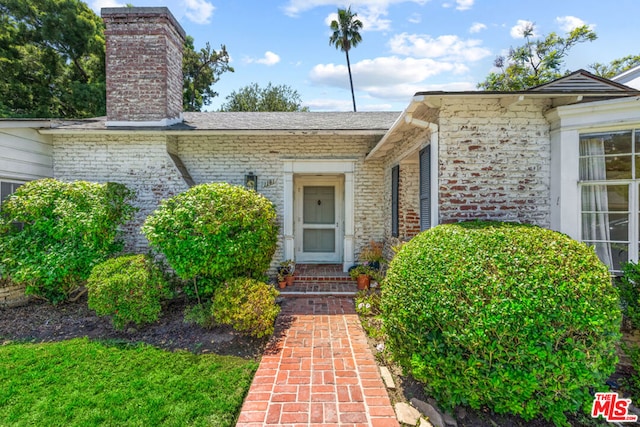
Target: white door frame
point(335, 181)
point(344, 167)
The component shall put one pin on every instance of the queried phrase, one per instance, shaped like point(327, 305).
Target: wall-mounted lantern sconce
point(251, 181)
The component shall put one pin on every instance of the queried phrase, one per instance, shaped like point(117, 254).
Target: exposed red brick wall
point(143, 64)
point(408, 201)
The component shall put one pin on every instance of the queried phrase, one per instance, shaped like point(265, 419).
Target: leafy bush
point(515, 317)
point(248, 305)
point(629, 287)
point(632, 384)
point(213, 233)
point(67, 228)
point(129, 289)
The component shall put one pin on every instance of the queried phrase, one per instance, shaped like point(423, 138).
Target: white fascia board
point(596, 114)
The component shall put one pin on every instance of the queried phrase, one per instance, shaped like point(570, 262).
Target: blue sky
point(407, 45)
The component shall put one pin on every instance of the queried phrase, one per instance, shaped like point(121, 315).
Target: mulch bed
point(41, 322)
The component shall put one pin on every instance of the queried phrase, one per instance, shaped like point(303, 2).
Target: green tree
point(616, 66)
point(345, 36)
point(536, 62)
point(51, 59)
point(52, 62)
point(201, 70)
point(270, 98)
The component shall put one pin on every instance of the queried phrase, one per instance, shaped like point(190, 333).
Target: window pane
point(605, 198)
point(601, 168)
point(605, 226)
point(618, 253)
point(606, 143)
point(6, 188)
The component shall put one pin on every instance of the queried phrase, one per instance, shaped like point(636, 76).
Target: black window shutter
point(395, 182)
point(425, 188)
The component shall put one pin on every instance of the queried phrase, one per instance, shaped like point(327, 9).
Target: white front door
point(318, 219)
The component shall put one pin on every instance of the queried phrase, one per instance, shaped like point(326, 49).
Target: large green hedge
point(517, 318)
point(52, 233)
point(213, 233)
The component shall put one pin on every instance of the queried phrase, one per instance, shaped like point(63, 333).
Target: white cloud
point(464, 4)
point(476, 27)
point(371, 18)
point(198, 11)
point(449, 47)
point(416, 18)
point(96, 5)
point(385, 77)
point(268, 59)
point(325, 104)
point(375, 107)
point(295, 7)
point(518, 30)
point(570, 23)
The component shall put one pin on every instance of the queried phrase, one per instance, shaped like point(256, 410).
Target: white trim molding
point(344, 167)
point(567, 123)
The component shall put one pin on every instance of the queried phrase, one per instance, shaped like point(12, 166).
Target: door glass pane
point(319, 205)
point(315, 240)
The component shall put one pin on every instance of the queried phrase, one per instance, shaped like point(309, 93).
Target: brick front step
point(307, 287)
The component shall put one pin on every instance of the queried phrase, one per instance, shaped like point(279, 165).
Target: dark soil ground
point(41, 322)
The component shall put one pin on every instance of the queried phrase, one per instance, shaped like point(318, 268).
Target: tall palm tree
point(345, 36)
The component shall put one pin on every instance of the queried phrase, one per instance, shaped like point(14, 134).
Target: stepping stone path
point(318, 370)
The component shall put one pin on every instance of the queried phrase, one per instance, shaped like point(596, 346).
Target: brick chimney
point(144, 66)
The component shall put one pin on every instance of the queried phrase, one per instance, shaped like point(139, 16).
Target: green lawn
point(86, 383)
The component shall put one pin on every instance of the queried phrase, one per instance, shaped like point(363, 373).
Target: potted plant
point(362, 274)
point(282, 282)
point(286, 269)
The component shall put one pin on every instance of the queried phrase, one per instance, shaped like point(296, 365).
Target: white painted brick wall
point(494, 161)
point(141, 162)
point(230, 157)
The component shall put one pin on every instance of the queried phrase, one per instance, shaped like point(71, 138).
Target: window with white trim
point(609, 177)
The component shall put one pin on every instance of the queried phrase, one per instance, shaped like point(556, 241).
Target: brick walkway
point(318, 370)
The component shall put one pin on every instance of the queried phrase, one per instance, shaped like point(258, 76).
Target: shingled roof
point(259, 122)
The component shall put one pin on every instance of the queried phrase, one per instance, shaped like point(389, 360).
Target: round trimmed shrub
point(514, 317)
point(247, 305)
point(52, 233)
point(213, 233)
point(129, 288)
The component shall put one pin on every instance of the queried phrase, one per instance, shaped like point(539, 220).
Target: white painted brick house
point(562, 155)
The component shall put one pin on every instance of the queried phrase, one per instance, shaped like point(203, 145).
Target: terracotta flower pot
point(289, 280)
point(363, 281)
point(282, 284)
